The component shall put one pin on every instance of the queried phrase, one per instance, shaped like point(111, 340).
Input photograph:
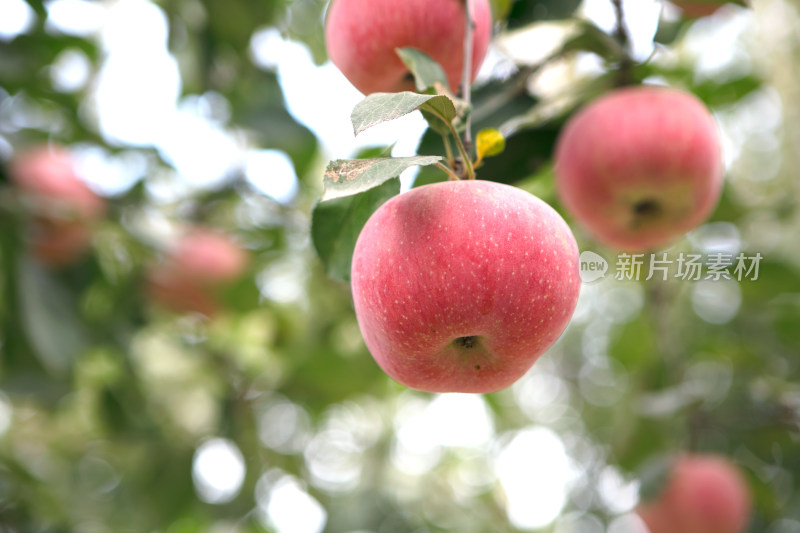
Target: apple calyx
point(644, 209)
point(468, 342)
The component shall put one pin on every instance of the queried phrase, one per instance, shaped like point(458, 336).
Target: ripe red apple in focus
point(199, 264)
point(640, 166)
point(62, 205)
point(704, 494)
point(362, 37)
point(460, 286)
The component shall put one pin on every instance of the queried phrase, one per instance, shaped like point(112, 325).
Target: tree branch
point(466, 79)
point(624, 40)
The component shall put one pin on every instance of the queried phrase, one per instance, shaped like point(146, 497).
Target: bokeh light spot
point(218, 471)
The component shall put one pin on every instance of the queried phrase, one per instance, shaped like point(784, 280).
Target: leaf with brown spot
point(348, 177)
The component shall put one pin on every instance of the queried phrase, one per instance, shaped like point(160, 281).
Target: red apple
point(362, 37)
point(168, 289)
point(60, 243)
point(655, 519)
point(199, 264)
point(460, 286)
point(63, 206)
point(696, 9)
point(640, 166)
point(208, 257)
point(704, 494)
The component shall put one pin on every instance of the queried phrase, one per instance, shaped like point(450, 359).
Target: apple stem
point(447, 171)
point(448, 150)
point(464, 143)
point(464, 155)
point(624, 39)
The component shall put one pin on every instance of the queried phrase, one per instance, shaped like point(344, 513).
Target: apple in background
point(694, 9)
point(59, 244)
point(362, 35)
point(656, 520)
point(697, 10)
point(199, 264)
point(460, 286)
point(704, 494)
point(640, 166)
point(62, 205)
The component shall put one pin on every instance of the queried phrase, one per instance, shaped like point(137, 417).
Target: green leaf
point(426, 71)
point(727, 93)
point(654, 476)
point(713, 92)
point(234, 21)
point(49, 316)
point(500, 9)
point(670, 31)
point(435, 123)
point(524, 12)
point(336, 224)
point(590, 38)
point(383, 107)
point(346, 177)
point(442, 107)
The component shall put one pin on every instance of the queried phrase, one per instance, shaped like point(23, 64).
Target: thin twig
point(464, 154)
point(621, 31)
point(464, 160)
point(466, 78)
point(448, 150)
point(446, 170)
point(624, 40)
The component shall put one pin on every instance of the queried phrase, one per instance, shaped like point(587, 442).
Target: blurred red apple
point(655, 519)
point(362, 36)
point(62, 205)
point(200, 263)
point(704, 494)
point(693, 9)
point(697, 9)
point(460, 286)
point(60, 243)
point(640, 166)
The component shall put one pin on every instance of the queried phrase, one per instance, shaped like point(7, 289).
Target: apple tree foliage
point(105, 398)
